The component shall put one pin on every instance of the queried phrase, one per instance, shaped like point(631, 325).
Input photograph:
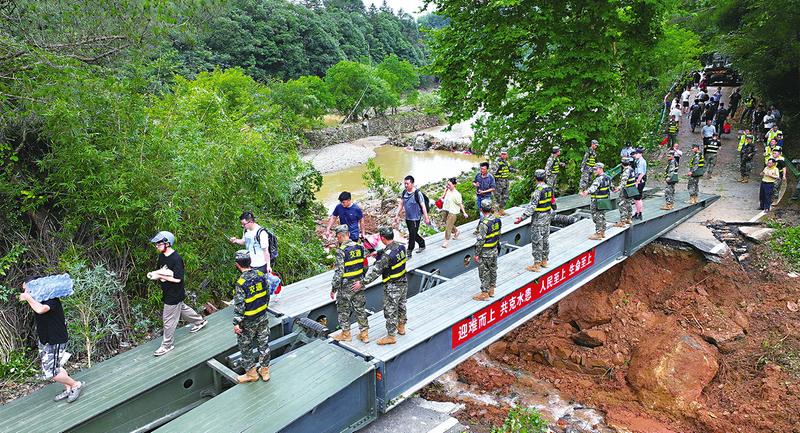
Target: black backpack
point(424, 198)
point(273, 242)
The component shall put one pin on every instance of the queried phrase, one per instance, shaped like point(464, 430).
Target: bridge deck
point(300, 381)
point(118, 379)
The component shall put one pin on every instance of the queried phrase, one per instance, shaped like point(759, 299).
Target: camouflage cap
point(627, 159)
point(503, 150)
point(599, 165)
point(342, 228)
point(697, 145)
point(539, 174)
point(556, 149)
point(595, 142)
point(242, 255)
point(486, 204)
point(385, 231)
point(777, 149)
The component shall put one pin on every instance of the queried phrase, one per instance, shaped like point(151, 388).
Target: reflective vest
point(701, 162)
point(631, 178)
point(741, 142)
point(602, 190)
point(673, 127)
point(556, 167)
point(545, 203)
point(772, 134)
point(256, 295)
point(397, 263)
point(503, 170)
point(592, 160)
point(712, 146)
point(492, 234)
point(353, 261)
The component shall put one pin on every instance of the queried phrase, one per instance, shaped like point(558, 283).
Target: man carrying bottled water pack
point(51, 328)
point(170, 274)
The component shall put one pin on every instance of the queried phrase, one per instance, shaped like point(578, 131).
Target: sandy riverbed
point(344, 155)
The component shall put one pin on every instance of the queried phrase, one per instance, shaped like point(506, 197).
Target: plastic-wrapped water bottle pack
point(53, 286)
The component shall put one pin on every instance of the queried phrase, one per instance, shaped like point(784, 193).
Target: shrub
point(522, 420)
point(19, 365)
point(786, 241)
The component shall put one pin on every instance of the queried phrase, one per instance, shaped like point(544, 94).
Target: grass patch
point(786, 242)
point(779, 351)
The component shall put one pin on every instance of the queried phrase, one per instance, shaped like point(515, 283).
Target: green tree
point(356, 89)
point(401, 75)
point(551, 73)
point(307, 99)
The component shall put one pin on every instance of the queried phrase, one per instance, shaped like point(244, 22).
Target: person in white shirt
point(685, 100)
point(256, 242)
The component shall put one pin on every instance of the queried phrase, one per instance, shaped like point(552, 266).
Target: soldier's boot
point(364, 336)
point(596, 236)
point(622, 223)
point(491, 292)
point(543, 264)
point(264, 373)
point(389, 339)
point(343, 336)
point(534, 267)
point(502, 212)
point(250, 376)
point(746, 180)
point(401, 328)
point(666, 207)
point(482, 296)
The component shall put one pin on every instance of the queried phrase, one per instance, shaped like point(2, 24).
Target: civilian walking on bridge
point(350, 268)
point(707, 132)
point(627, 184)
point(710, 151)
point(696, 171)
point(599, 190)
point(256, 240)
point(553, 167)
point(391, 265)
point(746, 158)
point(413, 201)
point(452, 205)
point(348, 213)
point(694, 114)
point(540, 209)
point(171, 276)
point(501, 177)
point(484, 184)
point(486, 248)
point(250, 321)
point(671, 177)
point(51, 329)
point(640, 171)
point(588, 163)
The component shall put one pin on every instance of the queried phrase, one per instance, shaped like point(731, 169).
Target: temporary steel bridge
point(319, 385)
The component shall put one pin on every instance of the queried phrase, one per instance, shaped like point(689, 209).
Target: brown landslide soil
point(667, 342)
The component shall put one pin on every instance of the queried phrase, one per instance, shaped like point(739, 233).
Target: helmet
point(163, 236)
point(342, 228)
point(539, 174)
point(386, 231)
point(242, 255)
point(486, 204)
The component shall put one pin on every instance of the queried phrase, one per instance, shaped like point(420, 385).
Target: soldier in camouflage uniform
point(541, 210)
point(250, 321)
point(350, 297)
point(391, 265)
point(553, 167)
point(501, 178)
point(746, 159)
point(696, 168)
point(486, 250)
point(627, 179)
point(599, 190)
point(671, 177)
point(587, 164)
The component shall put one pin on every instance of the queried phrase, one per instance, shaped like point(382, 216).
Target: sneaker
point(64, 394)
point(74, 393)
point(198, 326)
point(420, 249)
point(162, 350)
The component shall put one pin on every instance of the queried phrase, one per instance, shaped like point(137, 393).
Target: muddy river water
point(396, 163)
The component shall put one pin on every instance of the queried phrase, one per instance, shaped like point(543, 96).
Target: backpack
point(273, 242)
point(424, 198)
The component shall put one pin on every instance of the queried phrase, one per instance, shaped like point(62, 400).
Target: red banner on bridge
point(468, 328)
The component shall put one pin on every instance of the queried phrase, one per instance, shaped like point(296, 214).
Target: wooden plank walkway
point(118, 379)
point(300, 381)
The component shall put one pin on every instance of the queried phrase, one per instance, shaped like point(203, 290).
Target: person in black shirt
point(170, 274)
point(51, 328)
